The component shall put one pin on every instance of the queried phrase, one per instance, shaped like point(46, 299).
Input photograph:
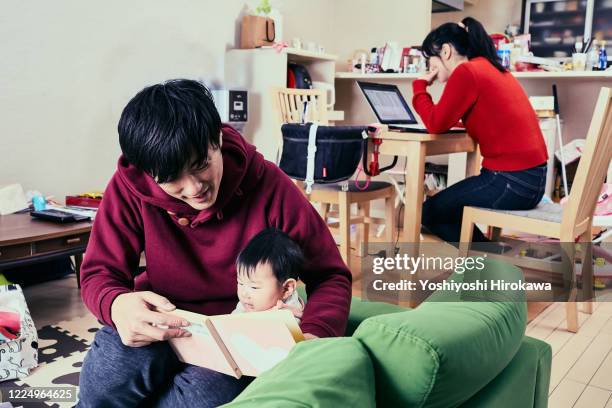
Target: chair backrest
point(289, 105)
point(591, 172)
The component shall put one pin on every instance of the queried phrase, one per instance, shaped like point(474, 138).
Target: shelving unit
point(258, 71)
point(567, 21)
point(563, 20)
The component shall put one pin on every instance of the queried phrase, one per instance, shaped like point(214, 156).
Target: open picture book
point(237, 344)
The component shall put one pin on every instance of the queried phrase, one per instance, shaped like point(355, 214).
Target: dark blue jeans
point(505, 190)
point(115, 375)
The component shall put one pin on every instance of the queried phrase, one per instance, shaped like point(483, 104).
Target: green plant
point(264, 7)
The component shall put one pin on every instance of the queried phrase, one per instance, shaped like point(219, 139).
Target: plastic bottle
point(504, 54)
point(603, 57)
point(373, 56)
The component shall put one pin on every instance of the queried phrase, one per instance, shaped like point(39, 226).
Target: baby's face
point(261, 290)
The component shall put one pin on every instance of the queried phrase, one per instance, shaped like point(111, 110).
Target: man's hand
point(430, 76)
point(308, 336)
point(135, 319)
point(297, 312)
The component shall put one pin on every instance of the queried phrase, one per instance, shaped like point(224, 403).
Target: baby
point(267, 270)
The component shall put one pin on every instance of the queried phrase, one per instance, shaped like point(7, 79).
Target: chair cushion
point(333, 372)
point(373, 186)
point(552, 212)
point(443, 352)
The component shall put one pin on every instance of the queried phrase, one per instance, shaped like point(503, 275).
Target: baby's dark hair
point(276, 248)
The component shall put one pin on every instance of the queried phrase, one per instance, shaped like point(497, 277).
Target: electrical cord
point(402, 206)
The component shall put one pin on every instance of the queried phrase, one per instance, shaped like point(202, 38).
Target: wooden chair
point(571, 223)
point(289, 108)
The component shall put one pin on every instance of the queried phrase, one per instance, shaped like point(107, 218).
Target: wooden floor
point(582, 362)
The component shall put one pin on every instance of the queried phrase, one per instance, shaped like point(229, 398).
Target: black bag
point(338, 152)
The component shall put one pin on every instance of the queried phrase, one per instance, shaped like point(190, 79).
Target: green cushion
point(361, 310)
point(523, 383)
point(333, 372)
point(443, 352)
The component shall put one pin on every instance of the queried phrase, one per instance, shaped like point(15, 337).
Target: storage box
point(19, 356)
point(81, 201)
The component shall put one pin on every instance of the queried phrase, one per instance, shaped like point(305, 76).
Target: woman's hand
point(430, 76)
point(139, 325)
point(308, 336)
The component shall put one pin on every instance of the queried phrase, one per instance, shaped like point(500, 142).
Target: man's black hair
point(276, 248)
point(168, 128)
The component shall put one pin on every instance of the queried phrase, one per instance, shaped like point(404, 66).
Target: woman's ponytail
point(469, 38)
point(480, 44)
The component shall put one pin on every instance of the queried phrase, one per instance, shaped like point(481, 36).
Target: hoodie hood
point(243, 167)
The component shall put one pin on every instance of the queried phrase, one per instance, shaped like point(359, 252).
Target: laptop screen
point(387, 103)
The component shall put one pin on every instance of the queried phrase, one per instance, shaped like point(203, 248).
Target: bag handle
point(270, 22)
point(310, 159)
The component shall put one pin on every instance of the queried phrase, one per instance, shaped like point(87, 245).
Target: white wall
point(372, 25)
point(493, 14)
point(69, 67)
point(363, 24)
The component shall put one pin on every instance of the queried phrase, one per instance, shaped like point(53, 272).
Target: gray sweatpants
point(115, 375)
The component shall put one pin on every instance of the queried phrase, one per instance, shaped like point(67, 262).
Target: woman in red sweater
point(496, 113)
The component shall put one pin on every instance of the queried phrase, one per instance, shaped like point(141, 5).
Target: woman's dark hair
point(167, 128)
point(276, 248)
point(471, 41)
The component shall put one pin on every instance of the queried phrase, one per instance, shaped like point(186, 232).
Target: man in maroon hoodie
point(190, 193)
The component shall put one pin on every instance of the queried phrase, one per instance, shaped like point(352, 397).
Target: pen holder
point(579, 60)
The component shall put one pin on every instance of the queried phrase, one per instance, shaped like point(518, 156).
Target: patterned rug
point(61, 351)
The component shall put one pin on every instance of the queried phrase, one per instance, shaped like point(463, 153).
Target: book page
point(256, 345)
point(200, 349)
point(283, 316)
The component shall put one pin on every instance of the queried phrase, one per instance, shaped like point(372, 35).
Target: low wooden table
point(25, 241)
point(415, 147)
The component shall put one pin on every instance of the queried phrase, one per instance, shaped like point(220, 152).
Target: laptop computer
point(391, 108)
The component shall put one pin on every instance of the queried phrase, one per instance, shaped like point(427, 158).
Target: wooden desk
point(25, 241)
point(415, 147)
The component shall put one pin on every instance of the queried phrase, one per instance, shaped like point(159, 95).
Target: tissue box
point(12, 199)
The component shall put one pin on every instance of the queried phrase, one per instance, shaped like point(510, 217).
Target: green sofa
point(465, 349)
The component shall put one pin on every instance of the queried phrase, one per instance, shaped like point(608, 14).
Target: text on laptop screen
point(388, 105)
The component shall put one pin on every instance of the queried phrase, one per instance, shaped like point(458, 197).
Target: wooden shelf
point(564, 74)
point(530, 75)
point(303, 55)
point(357, 75)
point(293, 54)
point(299, 55)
